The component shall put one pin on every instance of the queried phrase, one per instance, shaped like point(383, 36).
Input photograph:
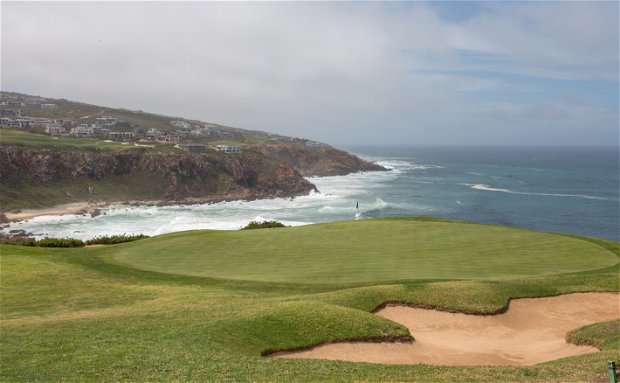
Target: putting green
point(366, 251)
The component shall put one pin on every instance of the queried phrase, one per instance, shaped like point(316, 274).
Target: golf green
point(365, 252)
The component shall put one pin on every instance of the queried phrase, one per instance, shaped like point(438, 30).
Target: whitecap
point(492, 189)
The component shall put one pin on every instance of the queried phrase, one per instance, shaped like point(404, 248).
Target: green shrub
point(53, 242)
point(262, 225)
point(113, 239)
point(70, 242)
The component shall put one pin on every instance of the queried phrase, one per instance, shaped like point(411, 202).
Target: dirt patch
point(532, 331)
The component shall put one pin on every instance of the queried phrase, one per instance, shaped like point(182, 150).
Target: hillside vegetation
point(88, 315)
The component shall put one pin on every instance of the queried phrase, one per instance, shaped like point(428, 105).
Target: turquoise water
point(571, 190)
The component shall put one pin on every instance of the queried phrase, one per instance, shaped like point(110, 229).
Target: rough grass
point(604, 336)
point(71, 315)
point(370, 251)
point(10, 136)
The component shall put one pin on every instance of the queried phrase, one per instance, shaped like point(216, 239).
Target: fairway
point(365, 252)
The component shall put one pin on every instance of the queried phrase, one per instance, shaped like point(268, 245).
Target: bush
point(59, 242)
point(113, 239)
point(262, 225)
point(48, 242)
point(69, 242)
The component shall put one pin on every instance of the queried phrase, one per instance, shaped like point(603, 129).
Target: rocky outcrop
point(315, 160)
point(141, 174)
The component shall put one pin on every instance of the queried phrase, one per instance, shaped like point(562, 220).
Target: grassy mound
point(79, 315)
point(365, 252)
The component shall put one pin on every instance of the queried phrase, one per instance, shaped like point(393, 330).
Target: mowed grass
point(367, 251)
point(79, 315)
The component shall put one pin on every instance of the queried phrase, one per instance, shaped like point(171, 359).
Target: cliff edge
point(34, 177)
point(315, 159)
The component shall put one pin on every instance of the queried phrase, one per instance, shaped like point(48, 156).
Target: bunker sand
point(532, 331)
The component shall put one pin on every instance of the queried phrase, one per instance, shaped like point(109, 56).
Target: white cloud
point(321, 70)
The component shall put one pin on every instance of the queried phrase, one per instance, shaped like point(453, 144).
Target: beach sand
point(69, 208)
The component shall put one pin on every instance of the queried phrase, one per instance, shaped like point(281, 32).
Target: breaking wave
point(492, 189)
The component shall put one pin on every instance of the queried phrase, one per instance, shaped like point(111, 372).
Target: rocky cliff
point(315, 160)
point(39, 177)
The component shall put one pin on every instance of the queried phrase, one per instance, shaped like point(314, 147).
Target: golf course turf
point(204, 306)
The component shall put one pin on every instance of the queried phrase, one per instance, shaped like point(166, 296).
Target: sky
point(345, 73)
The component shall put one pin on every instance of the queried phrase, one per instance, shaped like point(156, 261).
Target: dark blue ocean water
point(570, 190)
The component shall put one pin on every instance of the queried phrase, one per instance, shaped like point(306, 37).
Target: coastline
point(93, 208)
point(63, 209)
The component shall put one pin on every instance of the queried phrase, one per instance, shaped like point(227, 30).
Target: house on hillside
point(103, 132)
point(200, 132)
point(194, 148)
point(33, 105)
point(169, 138)
point(41, 121)
point(55, 130)
point(106, 121)
point(122, 136)
point(228, 149)
point(70, 121)
point(84, 130)
point(5, 121)
point(48, 106)
point(23, 123)
point(152, 134)
point(10, 112)
point(181, 124)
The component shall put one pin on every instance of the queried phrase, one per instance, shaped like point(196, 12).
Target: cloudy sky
point(533, 73)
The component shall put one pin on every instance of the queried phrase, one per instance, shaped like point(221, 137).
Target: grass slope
point(10, 136)
point(72, 315)
point(368, 251)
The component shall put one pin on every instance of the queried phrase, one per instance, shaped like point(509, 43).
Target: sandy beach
point(69, 208)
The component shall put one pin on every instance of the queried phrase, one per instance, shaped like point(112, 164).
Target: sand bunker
point(531, 331)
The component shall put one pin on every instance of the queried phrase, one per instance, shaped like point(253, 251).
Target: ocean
point(569, 190)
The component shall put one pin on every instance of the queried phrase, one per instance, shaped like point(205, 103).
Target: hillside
point(40, 177)
point(315, 160)
point(53, 150)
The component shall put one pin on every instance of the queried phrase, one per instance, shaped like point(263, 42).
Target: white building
point(181, 124)
point(48, 106)
point(10, 112)
point(122, 136)
point(152, 133)
point(55, 130)
point(41, 121)
point(200, 132)
point(83, 130)
point(106, 121)
point(5, 121)
point(228, 149)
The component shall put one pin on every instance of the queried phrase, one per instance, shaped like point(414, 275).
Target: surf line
point(492, 189)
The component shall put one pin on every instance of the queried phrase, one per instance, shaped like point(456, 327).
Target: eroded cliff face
point(48, 175)
point(315, 160)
